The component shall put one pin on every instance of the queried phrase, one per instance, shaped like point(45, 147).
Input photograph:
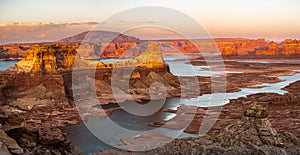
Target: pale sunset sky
point(48, 20)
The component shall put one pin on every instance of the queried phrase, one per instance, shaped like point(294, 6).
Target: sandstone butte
point(133, 48)
point(39, 88)
point(46, 73)
point(51, 57)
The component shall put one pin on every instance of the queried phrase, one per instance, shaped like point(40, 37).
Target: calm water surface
point(89, 143)
point(6, 64)
point(81, 137)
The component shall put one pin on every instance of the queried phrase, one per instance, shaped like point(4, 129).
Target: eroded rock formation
point(252, 135)
point(38, 90)
point(15, 138)
point(44, 79)
point(46, 140)
point(47, 57)
point(103, 44)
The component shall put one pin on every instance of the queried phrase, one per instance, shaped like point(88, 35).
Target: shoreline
point(247, 78)
point(192, 129)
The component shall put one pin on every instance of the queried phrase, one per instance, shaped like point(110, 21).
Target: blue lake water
point(90, 143)
point(6, 64)
point(128, 121)
point(81, 137)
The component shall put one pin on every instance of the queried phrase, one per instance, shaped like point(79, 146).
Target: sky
point(47, 20)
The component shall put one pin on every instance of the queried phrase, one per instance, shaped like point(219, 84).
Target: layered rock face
point(38, 75)
point(133, 77)
point(128, 47)
point(257, 47)
point(38, 90)
point(151, 58)
point(44, 79)
point(226, 47)
point(108, 50)
point(240, 46)
point(47, 57)
point(14, 51)
point(293, 88)
point(45, 73)
point(290, 47)
point(287, 47)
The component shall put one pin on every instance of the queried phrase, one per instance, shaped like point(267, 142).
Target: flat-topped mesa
point(51, 57)
point(151, 58)
point(47, 57)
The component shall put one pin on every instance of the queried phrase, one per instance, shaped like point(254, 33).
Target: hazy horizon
point(49, 20)
point(154, 39)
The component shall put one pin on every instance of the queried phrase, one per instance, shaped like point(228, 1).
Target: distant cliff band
point(133, 49)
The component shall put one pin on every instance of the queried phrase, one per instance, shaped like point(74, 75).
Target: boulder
point(44, 140)
point(50, 135)
point(9, 117)
point(10, 143)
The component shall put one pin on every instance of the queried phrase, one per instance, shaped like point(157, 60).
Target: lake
point(81, 136)
point(6, 64)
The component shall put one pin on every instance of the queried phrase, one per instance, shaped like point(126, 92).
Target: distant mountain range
point(99, 37)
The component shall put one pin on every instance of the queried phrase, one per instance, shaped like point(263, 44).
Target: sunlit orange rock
point(47, 57)
point(290, 47)
point(229, 51)
point(131, 49)
point(273, 49)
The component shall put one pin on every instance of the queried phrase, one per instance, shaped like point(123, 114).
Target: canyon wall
point(258, 47)
point(131, 49)
point(47, 57)
point(46, 72)
point(41, 85)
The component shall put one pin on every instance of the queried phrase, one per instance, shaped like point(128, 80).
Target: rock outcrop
point(254, 129)
point(290, 46)
point(252, 135)
point(44, 71)
point(38, 90)
point(47, 57)
point(45, 140)
point(293, 88)
point(18, 138)
point(13, 51)
point(9, 145)
point(40, 86)
point(151, 58)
